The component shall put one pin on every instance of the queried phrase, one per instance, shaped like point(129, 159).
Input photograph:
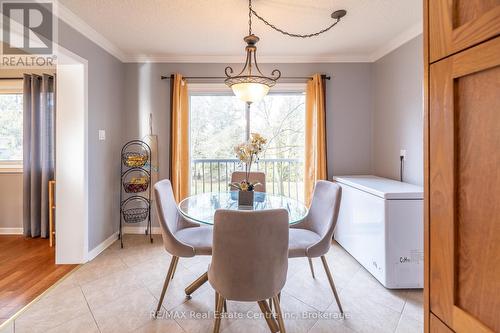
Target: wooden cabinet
point(462, 182)
point(455, 25)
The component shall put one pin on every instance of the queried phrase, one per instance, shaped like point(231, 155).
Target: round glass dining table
point(202, 207)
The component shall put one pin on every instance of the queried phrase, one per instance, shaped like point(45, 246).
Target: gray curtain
point(39, 152)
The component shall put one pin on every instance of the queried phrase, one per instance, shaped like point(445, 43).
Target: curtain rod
point(21, 78)
point(223, 77)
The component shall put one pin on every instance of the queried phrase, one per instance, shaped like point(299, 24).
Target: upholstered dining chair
point(181, 238)
point(312, 237)
point(260, 177)
point(250, 260)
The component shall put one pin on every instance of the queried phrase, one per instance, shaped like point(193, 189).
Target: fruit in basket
point(139, 180)
point(135, 159)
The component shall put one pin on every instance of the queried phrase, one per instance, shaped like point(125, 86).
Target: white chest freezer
point(381, 225)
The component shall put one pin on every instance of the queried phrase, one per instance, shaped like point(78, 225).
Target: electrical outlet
point(102, 135)
point(402, 153)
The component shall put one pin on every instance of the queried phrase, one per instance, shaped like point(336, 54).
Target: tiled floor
point(117, 291)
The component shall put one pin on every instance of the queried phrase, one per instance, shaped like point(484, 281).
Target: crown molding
point(82, 27)
point(86, 30)
point(397, 41)
point(238, 59)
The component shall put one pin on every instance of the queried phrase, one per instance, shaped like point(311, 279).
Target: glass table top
point(202, 207)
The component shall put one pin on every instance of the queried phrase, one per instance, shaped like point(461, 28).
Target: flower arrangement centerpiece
point(248, 153)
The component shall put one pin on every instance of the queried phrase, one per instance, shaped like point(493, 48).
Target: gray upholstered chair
point(250, 260)
point(181, 238)
point(312, 237)
point(239, 176)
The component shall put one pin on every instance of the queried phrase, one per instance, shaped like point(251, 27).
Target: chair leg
point(279, 315)
point(311, 267)
point(330, 279)
point(218, 311)
point(268, 316)
point(170, 273)
point(175, 269)
point(225, 303)
point(196, 284)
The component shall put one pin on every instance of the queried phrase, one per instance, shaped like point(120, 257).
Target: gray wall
point(349, 107)
point(373, 110)
point(11, 200)
point(348, 118)
point(398, 112)
point(105, 108)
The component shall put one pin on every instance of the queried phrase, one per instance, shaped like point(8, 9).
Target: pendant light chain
point(250, 17)
point(250, 85)
point(272, 26)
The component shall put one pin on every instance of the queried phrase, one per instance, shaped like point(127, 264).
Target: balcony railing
point(283, 176)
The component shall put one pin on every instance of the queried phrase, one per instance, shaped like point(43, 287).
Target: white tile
point(197, 315)
point(122, 287)
point(50, 312)
point(8, 327)
point(126, 313)
point(408, 325)
point(298, 316)
point(363, 315)
point(106, 263)
point(110, 287)
point(414, 309)
point(80, 324)
point(365, 285)
point(160, 326)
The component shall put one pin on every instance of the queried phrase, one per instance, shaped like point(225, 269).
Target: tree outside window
point(11, 127)
point(218, 122)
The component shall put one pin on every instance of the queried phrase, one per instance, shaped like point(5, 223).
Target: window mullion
point(247, 118)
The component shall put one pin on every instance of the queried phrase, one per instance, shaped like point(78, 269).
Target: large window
point(11, 127)
point(218, 121)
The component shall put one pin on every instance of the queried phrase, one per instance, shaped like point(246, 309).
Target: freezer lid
point(382, 187)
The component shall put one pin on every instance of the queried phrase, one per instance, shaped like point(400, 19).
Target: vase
point(245, 198)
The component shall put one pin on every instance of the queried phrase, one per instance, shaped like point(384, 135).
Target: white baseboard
point(101, 247)
point(140, 230)
point(11, 231)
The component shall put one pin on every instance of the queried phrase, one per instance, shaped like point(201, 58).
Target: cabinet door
point(455, 25)
point(437, 326)
point(464, 189)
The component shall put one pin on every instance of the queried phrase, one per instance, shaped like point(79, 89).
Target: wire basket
point(135, 187)
point(135, 215)
point(135, 159)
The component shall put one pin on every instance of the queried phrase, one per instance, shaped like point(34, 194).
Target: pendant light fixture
point(250, 85)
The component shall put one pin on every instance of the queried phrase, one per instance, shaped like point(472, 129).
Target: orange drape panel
point(179, 157)
point(315, 136)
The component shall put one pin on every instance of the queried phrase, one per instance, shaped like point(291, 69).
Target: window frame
point(8, 87)
point(220, 89)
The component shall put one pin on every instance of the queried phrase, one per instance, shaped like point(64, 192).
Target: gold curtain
point(315, 167)
point(179, 139)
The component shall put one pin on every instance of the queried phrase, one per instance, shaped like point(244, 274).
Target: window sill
point(10, 168)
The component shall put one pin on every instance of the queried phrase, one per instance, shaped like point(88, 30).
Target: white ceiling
point(213, 30)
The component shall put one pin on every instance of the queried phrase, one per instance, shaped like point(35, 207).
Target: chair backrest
point(249, 254)
point(323, 214)
point(170, 220)
point(239, 176)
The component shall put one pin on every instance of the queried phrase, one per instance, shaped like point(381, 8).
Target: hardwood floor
point(27, 269)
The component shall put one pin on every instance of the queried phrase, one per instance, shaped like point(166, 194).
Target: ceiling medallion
point(250, 85)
